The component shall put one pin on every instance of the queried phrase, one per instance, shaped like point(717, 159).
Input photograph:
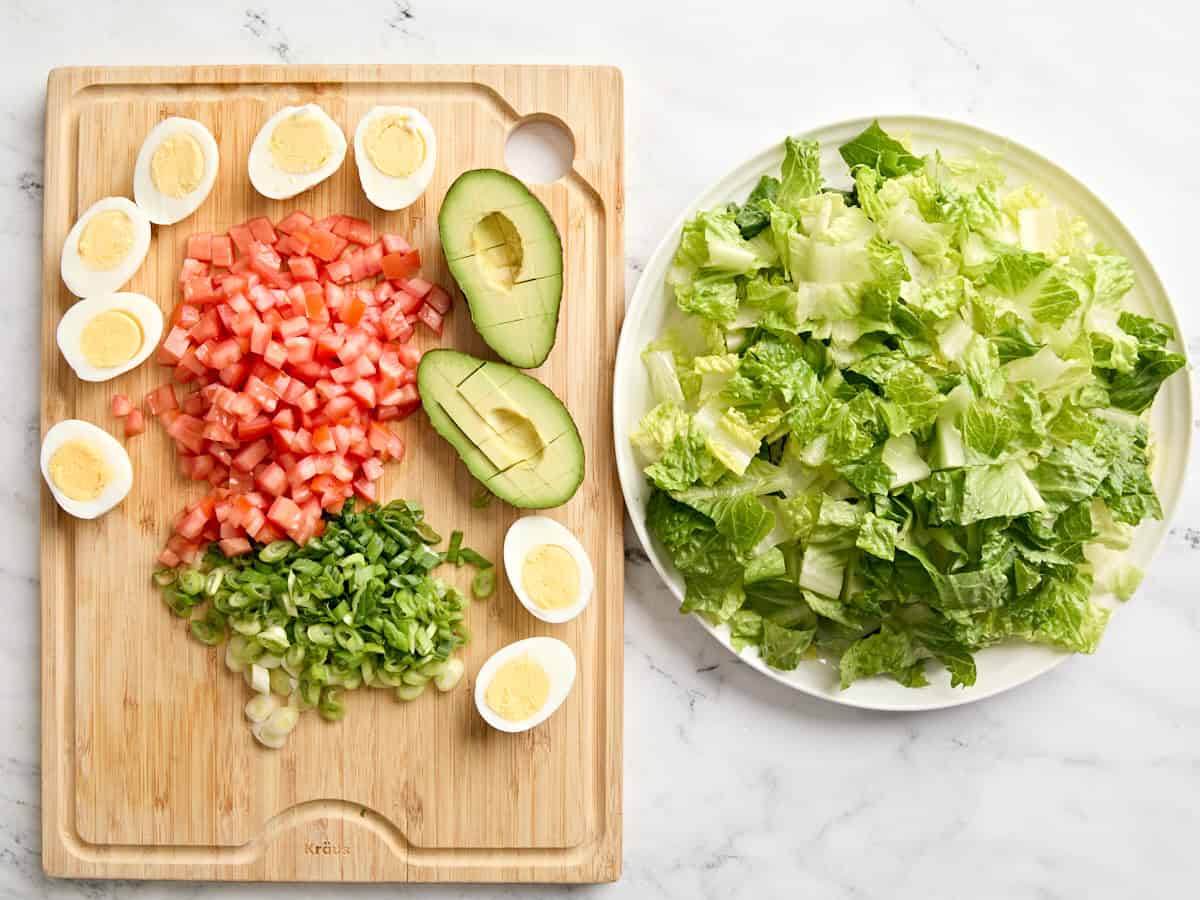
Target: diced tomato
point(339, 272)
point(262, 230)
point(192, 268)
point(121, 405)
point(242, 237)
point(235, 546)
point(295, 221)
point(431, 317)
point(439, 299)
point(352, 312)
point(275, 354)
point(199, 246)
point(401, 265)
point(338, 407)
point(294, 379)
point(416, 287)
point(135, 422)
point(226, 353)
point(394, 243)
point(162, 399)
point(192, 524)
point(323, 244)
point(222, 250)
point(252, 455)
point(409, 356)
point(303, 267)
point(372, 469)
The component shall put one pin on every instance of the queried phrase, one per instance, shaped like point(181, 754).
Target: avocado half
point(504, 251)
point(513, 433)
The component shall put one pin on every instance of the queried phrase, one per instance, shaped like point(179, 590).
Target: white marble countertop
point(1083, 784)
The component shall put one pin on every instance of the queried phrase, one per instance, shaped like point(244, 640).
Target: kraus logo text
point(326, 848)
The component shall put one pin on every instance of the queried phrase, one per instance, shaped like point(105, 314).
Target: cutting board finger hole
point(540, 149)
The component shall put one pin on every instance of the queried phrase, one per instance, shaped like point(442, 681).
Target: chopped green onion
point(415, 678)
point(475, 559)
point(483, 585)
point(409, 691)
point(259, 679)
point(358, 606)
point(483, 499)
point(281, 682)
point(452, 555)
point(331, 707)
point(450, 676)
point(275, 551)
point(191, 581)
point(259, 707)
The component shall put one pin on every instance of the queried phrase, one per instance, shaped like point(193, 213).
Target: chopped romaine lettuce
point(902, 422)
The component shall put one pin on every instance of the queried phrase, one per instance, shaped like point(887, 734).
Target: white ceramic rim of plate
point(1174, 404)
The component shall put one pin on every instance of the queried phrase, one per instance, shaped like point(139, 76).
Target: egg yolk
point(79, 471)
point(518, 690)
point(299, 144)
point(106, 239)
point(550, 576)
point(394, 146)
point(177, 166)
point(111, 338)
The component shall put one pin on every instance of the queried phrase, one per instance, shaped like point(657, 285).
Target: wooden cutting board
point(148, 768)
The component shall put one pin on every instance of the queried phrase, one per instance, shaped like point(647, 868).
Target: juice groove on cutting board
point(148, 768)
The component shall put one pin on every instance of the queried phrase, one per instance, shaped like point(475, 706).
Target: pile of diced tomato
point(295, 336)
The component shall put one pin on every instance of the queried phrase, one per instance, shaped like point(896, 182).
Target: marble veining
point(1083, 784)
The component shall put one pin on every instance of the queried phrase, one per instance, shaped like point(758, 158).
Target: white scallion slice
point(259, 679)
point(259, 707)
point(274, 742)
point(450, 675)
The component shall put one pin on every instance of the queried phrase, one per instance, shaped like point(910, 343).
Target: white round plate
point(1001, 667)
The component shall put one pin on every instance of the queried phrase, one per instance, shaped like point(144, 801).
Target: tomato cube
point(242, 238)
point(394, 243)
point(199, 247)
point(304, 267)
point(285, 513)
point(431, 317)
point(295, 221)
point(439, 299)
point(401, 265)
point(262, 230)
point(135, 422)
point(222, 250)
point(121, 405)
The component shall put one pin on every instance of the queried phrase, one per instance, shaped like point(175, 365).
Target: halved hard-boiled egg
point(175, 170)
point(298, 147)
point(521, 685)
point(87, 470)
point(109, 334)
point(548, 568)
point(105, 247)
point(395, 149)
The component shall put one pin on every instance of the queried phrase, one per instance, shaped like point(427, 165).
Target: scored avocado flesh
point(504, 251)
point(511, 431)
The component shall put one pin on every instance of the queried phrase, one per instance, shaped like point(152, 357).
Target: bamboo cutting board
point(148, 768)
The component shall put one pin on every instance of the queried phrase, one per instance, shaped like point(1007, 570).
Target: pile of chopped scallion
point(356, 607)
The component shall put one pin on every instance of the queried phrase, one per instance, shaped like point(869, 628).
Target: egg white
point(83, 281)
point(271, 181)
point(393, 192)
point(160, 208)
point(552, 655)
point(529, 532)
point(114, 455)
point(70, 330)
